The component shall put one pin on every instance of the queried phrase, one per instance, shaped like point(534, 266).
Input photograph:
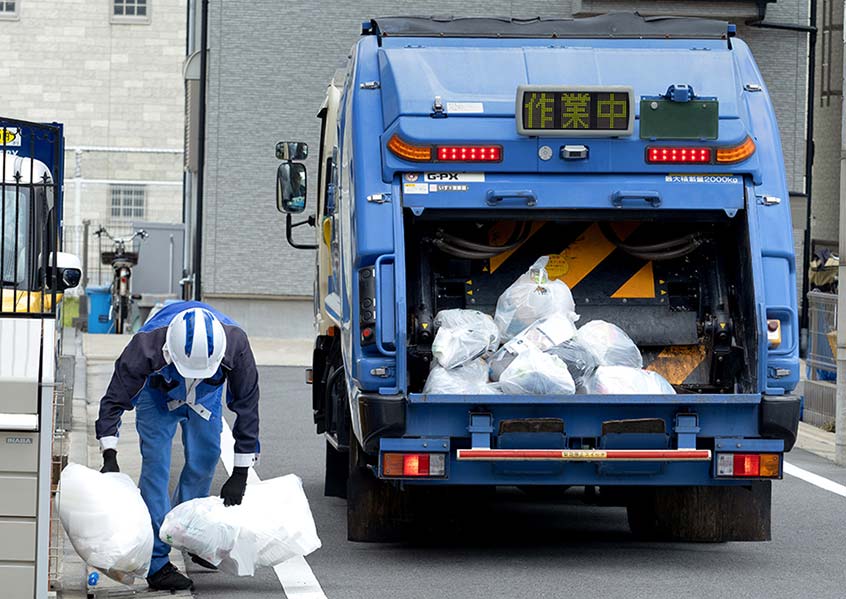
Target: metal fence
point(83, 241)
point(820, 388)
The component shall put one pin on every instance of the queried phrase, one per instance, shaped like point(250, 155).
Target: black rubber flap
point(615, 25)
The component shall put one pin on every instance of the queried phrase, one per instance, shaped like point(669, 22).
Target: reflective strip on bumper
point(585, 455)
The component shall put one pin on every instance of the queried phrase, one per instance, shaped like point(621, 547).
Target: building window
point(130, 11)
point(9, 9)
point(129, 202)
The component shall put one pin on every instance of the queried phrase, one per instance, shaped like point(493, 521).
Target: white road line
point(815, 479)
point(295, 575)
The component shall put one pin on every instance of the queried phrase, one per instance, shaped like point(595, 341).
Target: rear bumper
point(581, 451)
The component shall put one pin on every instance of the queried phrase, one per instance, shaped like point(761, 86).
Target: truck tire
point(377, 511)
point(337, 471)
point(702, 514)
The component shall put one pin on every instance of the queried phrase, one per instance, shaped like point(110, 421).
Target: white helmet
point(195, 342)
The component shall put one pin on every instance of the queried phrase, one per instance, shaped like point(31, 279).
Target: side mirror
point(292, 150)
point(291, 187)
point(69, 271)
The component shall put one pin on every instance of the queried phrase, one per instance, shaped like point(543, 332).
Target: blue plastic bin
point(99, 302)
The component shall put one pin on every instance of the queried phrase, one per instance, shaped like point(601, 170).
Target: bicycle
point(121, 262)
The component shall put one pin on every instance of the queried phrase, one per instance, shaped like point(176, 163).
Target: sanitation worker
point(173, 372)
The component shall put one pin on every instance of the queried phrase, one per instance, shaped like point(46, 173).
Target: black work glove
point(233, 489)
point(110, 461)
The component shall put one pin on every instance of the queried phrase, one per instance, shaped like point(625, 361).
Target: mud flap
point(377, 511)
point(702, 514)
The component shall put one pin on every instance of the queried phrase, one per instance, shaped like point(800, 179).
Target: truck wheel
point(337, 471)
point(376, 509)
point(702, 514)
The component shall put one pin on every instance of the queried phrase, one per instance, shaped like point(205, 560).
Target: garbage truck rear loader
point(641, 158)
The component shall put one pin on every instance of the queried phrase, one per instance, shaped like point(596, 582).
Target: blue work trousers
point(156, 426)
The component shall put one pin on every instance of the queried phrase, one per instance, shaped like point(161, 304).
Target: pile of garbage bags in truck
point(532, 346)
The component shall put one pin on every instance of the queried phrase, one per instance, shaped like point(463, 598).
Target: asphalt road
point(522, 549)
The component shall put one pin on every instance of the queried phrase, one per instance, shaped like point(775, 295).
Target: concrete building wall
point(113, 85)
point(827, 121)
point(268, 70)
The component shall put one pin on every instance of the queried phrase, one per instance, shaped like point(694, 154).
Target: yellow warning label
point(584, 454)
point(7, 136)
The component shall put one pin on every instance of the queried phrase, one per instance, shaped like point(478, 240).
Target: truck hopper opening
point(680, 287)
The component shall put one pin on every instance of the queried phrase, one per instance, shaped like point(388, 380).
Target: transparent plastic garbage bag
point(533, 372)
point(107, 521)
point(463, 336)
point(470, 379)
point(580, 362)
point(531, 297)
point(542, 334)
point(272, 525)
point(623, 380)
point(609, 344)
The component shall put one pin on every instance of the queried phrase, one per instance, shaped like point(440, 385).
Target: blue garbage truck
point(641, 157)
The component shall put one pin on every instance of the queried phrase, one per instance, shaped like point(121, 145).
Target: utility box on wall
point(160, 259)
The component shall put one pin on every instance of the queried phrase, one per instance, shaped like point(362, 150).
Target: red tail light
point(415, 464)
point(469, 153)
point(747, 464)
point(397, 465)
point(679, 155)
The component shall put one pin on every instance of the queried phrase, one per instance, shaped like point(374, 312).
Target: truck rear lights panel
point(585, 455)
point(748, 465)
point(413, 465)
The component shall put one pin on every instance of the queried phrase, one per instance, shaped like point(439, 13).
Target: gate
point(31, 159)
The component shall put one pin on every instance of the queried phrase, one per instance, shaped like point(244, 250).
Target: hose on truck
point(665, 250)
point(471, 250)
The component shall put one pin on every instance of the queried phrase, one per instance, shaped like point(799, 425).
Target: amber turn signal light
point(408, 151)
point(737, 153)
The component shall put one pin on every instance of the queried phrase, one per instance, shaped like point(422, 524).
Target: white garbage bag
point(272, 525)
point(542, 334)
point(470, 379)
point(530, 297)
point(463, 336)
point(624, 380)
point(609, 344)
point(533, 372)
point(107, 522)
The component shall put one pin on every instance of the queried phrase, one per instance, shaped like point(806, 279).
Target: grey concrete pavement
point(524, 549)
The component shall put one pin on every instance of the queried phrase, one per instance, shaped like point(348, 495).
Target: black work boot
point(201, 562)
point(169, 578)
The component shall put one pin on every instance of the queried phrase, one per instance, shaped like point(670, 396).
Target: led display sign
point(575, 111)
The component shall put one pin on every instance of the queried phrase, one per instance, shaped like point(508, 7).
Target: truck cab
point(640, 157)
